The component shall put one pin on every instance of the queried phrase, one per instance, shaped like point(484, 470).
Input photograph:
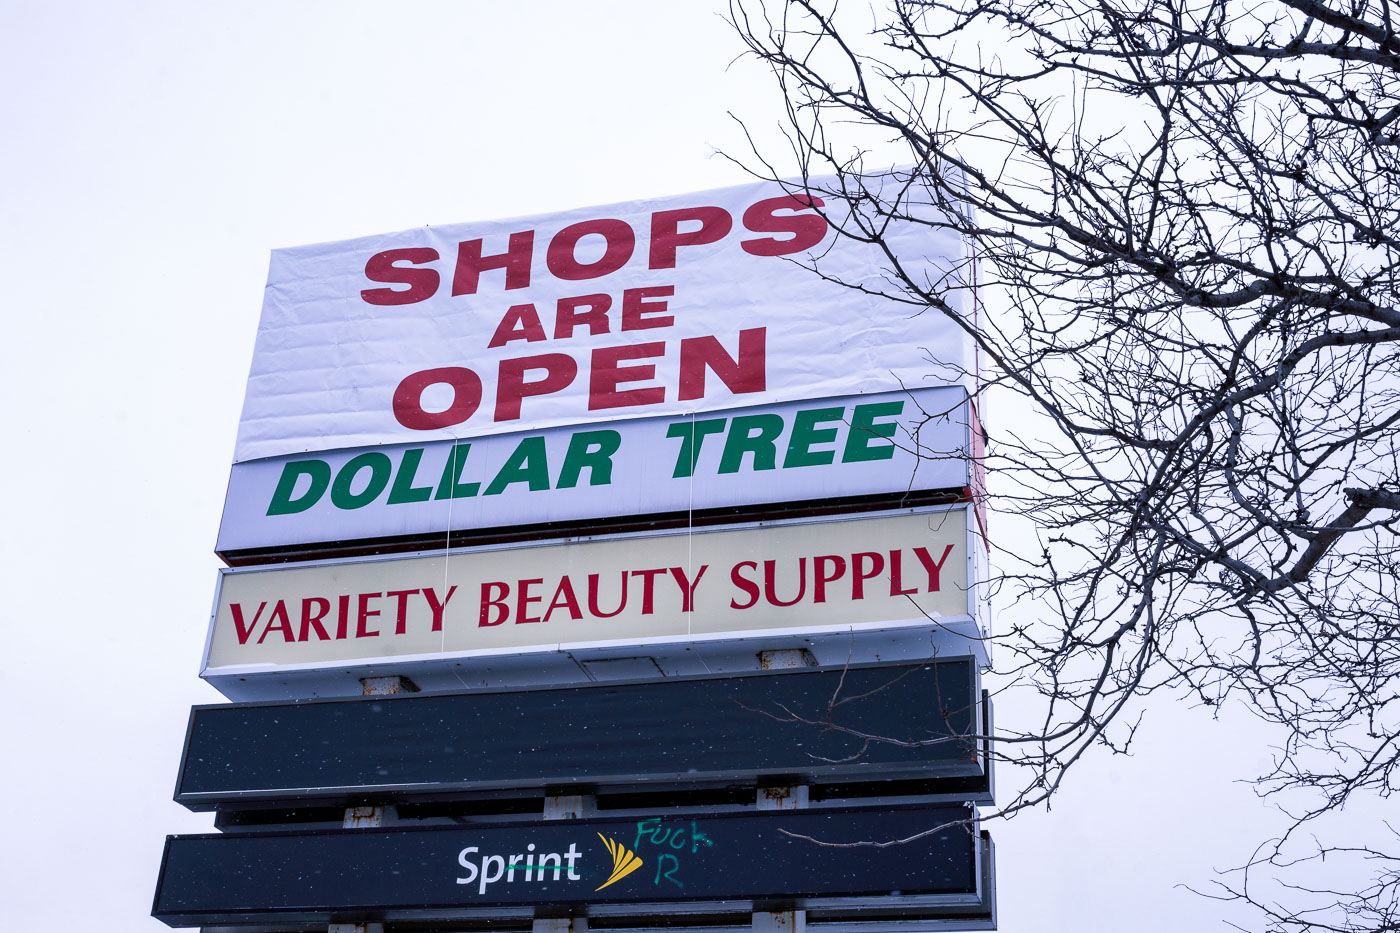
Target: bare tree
point(1184, 220)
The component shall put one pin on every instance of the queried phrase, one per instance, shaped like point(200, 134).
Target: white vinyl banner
point(875, 444)
point(648, 308)
point(798, 577)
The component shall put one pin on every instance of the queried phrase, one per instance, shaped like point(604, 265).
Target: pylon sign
point(812, 859)
point(638, 444)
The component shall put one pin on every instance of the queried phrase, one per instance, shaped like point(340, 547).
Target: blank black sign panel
point(795, 727)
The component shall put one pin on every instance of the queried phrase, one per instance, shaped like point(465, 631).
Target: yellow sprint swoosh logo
point(624, 862)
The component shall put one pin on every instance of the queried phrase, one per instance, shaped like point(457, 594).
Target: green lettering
point(528, 463)
point(403, 489)
point(644, 828)
point(380, 468)
point(864, 431)
point(318, 471)
point(805, 433)
point(451, 485)
point(591, 449)
point(752, 434)
point(692, 434)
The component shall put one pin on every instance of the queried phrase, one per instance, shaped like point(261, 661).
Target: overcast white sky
point(153, 153)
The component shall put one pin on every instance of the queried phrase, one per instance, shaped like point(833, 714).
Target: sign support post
point(370, 817)
point(564, 807)
point(782, 798)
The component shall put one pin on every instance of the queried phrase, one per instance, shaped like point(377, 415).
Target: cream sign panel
point(648, 308)
point(792, 576)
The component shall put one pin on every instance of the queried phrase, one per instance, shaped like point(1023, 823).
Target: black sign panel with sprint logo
point(447, 872)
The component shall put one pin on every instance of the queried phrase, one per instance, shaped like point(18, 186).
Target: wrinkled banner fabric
point(683, 304)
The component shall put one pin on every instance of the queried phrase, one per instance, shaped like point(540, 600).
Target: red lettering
point(567, 315)
point(666, 237)
point(310, 621)
point(770, 590)
point(593, 597)
point(688, 586)
point(365, 614)
point(897, 575)
point(279, 611)
point(807, 229)
point(523, 599)
point(564, 597)
point(511, 386)
point(342, 621)
point(408, 398)
point(499, 602)
point(648, 578)
point(858, 576)
point(821, 578)
point(437, 607)
point(636, 309)
point(401, 613)
point(747, 374)
point(748, 586)
point(930, 567)
point(620, 243)
point(382, 267)
point(515, 260)
point(245, 630)
point(605, 375)
point(521, 322)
